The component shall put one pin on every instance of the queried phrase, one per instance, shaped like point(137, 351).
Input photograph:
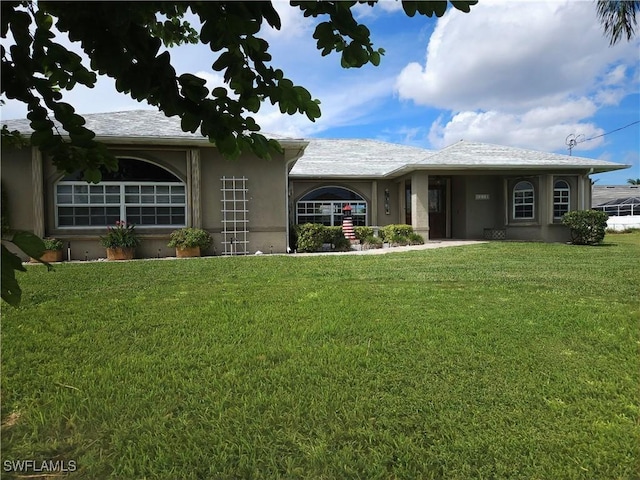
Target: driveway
point(408, 248)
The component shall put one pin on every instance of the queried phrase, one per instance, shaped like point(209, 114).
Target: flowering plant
point(52, 243)
point(123, 235)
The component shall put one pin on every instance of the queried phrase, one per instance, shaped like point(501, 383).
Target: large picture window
point(561, 195)
point(140, 193)
point(324, 205)
point(523, 201)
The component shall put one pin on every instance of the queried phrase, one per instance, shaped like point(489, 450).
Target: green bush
point(310, 237)
point(371, 242)
point(52, 243)
point(363, 233)
point(588, 227)
point(335, 236)
point(415, 239)
point(330, 234)
point(397, 233)
point(189, 238)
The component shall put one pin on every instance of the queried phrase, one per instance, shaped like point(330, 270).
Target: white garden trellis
point(235, 221)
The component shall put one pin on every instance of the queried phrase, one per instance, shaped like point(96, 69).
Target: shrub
point(52, 243)
point(371, 242)
point(588, 227)
point(310, 237)
point(189, 238)
point(415, 239)
point(335, 236)
point(123, 235)
point(363, 233)
point(396, 233)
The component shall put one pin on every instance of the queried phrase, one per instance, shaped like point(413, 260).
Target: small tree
point(587, 226)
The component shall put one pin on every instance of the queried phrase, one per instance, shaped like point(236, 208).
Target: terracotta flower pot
point(187, 252)
point(49, 256)
point(120, 253)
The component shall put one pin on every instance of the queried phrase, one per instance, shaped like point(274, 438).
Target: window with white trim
point(523, 200)
point(140, 193)
point(324, 205)
point(561, 196)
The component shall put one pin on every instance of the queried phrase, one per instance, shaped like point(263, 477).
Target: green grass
point(492, 361)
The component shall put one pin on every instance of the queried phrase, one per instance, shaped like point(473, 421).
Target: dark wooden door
point(437, 211)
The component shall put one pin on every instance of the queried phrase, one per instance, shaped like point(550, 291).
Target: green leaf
point(39, 137)
point(313, 110)
point(410, 7)
point(219, 92)
point(253, 103)
point(92, 175)
point(11, 292)
point(189, 122)
point(375, 58)
point(463, 6)
point(29, 243)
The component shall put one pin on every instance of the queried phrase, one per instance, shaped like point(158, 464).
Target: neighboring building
point(620, 202)
point(617, 200)
point(169, 178)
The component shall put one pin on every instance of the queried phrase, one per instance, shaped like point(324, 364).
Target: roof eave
point(183, 141)
point(319, 176)
point(592, 168)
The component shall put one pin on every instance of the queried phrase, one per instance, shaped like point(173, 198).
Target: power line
point(572, 139)
point(612, 131)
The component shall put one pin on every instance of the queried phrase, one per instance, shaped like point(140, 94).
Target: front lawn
point(492, 361)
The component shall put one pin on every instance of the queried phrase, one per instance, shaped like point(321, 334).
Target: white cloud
point(293, 23)
point(531, 130)
point(511, 55)
point(213, 79)
point(364, 12)
point(520, 73)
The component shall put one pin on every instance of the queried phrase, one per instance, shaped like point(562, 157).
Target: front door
point(438, 210)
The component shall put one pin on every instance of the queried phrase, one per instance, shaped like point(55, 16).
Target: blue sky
point(526, 74)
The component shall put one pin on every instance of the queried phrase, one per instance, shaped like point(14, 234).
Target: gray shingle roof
point(605, 193)
point(354, 158)
point(369, 158)
point(344, 157)
point(151, 124)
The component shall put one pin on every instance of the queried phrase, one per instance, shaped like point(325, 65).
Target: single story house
point(169, 178)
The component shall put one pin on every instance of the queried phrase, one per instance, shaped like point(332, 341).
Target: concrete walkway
point(408, 248)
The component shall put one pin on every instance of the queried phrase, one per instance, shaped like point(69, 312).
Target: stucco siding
point(483, 205)
point(17, 182)
point(266, 198)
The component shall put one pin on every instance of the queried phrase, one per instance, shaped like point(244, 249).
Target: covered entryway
point(439, 208)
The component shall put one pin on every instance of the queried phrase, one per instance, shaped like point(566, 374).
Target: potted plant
point(189, 241)
point(120, 241)
point(52, 250)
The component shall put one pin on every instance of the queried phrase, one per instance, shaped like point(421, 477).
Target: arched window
point(523, 200)
point(324, 205)
point(139, 192)
point(561, 195)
